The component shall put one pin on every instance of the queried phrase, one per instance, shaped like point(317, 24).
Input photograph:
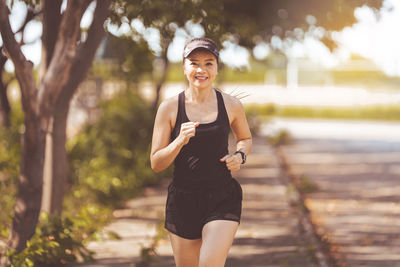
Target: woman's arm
point(242, 134)
point(241, 129)
point(163, 153)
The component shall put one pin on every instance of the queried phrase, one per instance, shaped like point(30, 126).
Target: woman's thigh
point(217, 239)
point(186, 251)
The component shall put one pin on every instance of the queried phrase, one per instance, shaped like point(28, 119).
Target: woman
point(204, 202)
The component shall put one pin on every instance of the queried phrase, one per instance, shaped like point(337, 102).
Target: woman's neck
point(195, 94)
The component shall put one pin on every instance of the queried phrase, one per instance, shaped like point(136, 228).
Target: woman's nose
point(200, 69)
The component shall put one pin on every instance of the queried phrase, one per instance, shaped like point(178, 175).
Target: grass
point(373, 112)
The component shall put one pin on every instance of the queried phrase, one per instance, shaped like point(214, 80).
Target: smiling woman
point(204, 201)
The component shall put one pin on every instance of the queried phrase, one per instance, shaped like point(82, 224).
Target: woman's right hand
point(188, 130)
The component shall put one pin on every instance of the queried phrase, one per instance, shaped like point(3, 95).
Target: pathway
point(269, 234)
point(356, 166)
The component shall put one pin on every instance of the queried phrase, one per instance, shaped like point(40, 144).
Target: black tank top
point(198, 163)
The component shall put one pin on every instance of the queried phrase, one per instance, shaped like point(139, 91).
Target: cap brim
point(200, 45)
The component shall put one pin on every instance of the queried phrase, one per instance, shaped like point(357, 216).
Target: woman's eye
point(193, 64)
point(209, 64)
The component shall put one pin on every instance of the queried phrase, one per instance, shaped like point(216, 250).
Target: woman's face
point(200, 68)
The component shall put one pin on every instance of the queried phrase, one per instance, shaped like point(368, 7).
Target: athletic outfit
point(202, 189)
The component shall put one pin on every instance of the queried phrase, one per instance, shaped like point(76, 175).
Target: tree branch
point(65, 51)
point(87, 50)
point(23, 68)
point(51, 25)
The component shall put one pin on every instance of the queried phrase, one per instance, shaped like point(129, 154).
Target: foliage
point(247, 24)
point(89, 216)
point(57, 240)
point(306, 186)
point(264, 19)
point(149, 253)
point(282, 137)
point(54, 242)
point(111, 158)
point(132, 55)
point(10, 154)
point(166, 16)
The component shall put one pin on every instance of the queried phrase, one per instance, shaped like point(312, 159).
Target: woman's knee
point(217, 240)
point(211, 260)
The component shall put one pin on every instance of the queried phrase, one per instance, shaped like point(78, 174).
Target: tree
point(67, 59)
point(56, 165)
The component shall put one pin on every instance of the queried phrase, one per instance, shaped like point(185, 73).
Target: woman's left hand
point(233, 162)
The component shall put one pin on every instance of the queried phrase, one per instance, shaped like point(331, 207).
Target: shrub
point(306, 185)
point(53, 243)
point(282, 137)
point(111, 157)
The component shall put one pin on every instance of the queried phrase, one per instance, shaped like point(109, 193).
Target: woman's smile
point(200, 78)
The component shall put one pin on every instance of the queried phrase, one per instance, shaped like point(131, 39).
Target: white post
point(291, 73)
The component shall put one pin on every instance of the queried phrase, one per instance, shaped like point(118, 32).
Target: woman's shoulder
point(169, 104)
point(232, 102)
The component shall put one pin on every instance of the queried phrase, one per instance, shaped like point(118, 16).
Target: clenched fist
point(188, 130)
point(233, 162)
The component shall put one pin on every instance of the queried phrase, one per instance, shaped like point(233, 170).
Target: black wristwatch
point(243, 156)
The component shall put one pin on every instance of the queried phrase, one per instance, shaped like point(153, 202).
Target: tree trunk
point(38, 105)
point(51, 25)
point(161, 82)
point(56, 170)
point(29, 197)
point(56, 163)
point(5, 108)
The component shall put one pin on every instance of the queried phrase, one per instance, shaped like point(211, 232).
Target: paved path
point(269, 234)
point(357, 168)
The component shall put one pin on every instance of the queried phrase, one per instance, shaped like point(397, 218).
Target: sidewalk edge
point(287, 177)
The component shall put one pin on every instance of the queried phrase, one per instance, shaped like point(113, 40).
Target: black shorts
point(188, 210)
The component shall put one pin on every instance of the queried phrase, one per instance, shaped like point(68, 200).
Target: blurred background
point(320, 82)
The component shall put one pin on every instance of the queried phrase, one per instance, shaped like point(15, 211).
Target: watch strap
point(243, 156)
